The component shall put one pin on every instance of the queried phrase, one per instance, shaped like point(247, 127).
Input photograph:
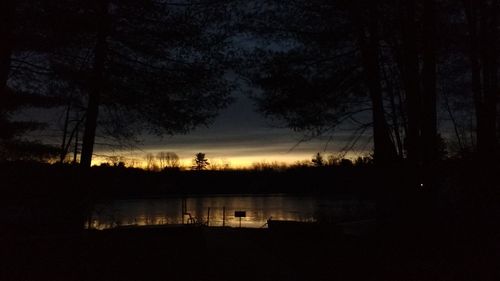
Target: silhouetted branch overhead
point(160, 69)
point(316, 60)
point(24, 78)
point(156, 66)
point(325, 69)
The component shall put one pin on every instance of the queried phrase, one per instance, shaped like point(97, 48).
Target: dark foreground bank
point(200, 253)
point(189, 253)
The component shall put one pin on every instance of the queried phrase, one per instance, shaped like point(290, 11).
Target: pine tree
point(318, 160)
point(200, 162)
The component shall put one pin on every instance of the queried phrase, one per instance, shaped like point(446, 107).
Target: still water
point(220, 210)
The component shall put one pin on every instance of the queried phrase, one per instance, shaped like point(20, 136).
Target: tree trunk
point(490, 80)
point(64, 151)
point(100, 54)
point(482, 22)
point(384, 150)
point(429, 112)
point(472, 19)
point(410, 72)
point(395, 120)
point(460, 139)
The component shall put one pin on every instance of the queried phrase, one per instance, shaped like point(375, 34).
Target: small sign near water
point(240, 214)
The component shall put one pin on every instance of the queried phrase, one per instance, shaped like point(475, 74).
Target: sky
point(239, 136)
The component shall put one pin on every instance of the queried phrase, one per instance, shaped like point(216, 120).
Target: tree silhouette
point(168, 160)
point(318, 160)
point(339, 59)
point(142, 66)
point(330, 75)
point(23, 77)
point(200, 162)
point(150, 162)
point(483, 27)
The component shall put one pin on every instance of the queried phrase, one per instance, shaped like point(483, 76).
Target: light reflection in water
point(258, 210)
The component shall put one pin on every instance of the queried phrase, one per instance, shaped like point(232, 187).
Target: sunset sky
point(240, 136)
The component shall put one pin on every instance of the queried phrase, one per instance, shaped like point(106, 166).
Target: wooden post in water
point(223, 216)
point(208, 217)
point(89, 221)
point(75, 152)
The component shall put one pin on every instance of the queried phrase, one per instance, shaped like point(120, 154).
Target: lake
point(220, 210)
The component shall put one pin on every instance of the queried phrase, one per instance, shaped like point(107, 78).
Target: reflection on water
point(219, 210)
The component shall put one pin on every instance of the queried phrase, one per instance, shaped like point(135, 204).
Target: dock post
point(89, 221)
point(224, 216)
point(208, 217)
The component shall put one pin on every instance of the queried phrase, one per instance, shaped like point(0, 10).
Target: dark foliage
point(414, 64)
point(147, 66)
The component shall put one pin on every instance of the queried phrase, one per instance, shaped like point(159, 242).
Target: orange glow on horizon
point(237, 162)
point(229, 162)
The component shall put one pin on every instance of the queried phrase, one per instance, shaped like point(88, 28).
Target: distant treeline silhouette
point(120, 181)
point(170, 161)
